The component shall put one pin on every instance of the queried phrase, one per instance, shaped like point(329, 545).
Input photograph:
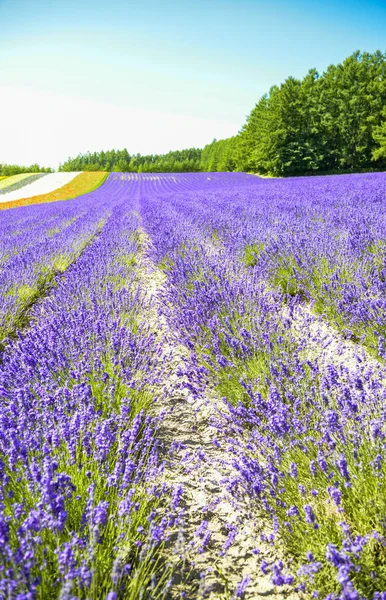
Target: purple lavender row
point(321, 240)
point(308, 439)
point(39, 242)
point(79, 498)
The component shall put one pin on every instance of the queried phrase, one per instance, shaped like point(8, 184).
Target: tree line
point(188, 160)
point(334, 122)
point(7, 170)
point(329, 123)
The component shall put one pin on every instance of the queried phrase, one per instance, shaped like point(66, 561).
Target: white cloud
point(46, 127)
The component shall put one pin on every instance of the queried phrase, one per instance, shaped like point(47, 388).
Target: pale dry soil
point(202, 468)
point(324, 345)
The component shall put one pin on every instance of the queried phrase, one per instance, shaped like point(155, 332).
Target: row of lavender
point(319, 239)
point(307, 438)
point(38, 244)
point(83, 510)
point(80, 498)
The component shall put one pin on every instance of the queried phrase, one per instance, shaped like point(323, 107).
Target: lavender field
point(193, 390)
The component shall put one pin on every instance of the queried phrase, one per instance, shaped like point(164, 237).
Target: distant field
point(8, 181)
point(14, 188)
point(82, 184)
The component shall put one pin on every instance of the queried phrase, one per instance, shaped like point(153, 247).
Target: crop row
point(84, 511)
point(35, 247)
point(43, 185)
point(80, 184)
point(21, 183)
point(307, 436)
point(319, 240)
point(80, 475)
point(6, 182)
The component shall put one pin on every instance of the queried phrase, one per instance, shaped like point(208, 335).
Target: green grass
point(166, 264)
point(252, 252)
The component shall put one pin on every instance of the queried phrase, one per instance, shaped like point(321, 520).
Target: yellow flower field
point(8, 181)
point(83, 183)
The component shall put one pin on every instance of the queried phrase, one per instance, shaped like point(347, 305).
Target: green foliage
point(120, 161)
point(252, 253)
point(166, 264)
point(220, 155)
point(231, 379)
point(284, 277)
point(329, 123)
point(379, 135)
point(8, 170)
point(334, 122)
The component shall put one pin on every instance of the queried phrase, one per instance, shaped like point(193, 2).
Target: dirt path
point(326, 346)
point(220, 536)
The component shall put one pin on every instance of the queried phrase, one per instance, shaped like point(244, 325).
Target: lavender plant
point(312, 453)
point(80, 486)
point(85, 511)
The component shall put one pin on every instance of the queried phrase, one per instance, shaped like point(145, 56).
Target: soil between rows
point(203, 468)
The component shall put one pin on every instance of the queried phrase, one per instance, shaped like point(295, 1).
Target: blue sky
point(153, 76)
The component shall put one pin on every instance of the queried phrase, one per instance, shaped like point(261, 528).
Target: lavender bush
point(313, 434)
point(80, 491)
point(85, 512)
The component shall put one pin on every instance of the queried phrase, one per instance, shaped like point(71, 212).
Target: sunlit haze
point(57, 126)
point(153, 77)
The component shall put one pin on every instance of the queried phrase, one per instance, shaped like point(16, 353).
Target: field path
point(199, 463)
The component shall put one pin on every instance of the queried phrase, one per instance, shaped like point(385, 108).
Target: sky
point(153, 76)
